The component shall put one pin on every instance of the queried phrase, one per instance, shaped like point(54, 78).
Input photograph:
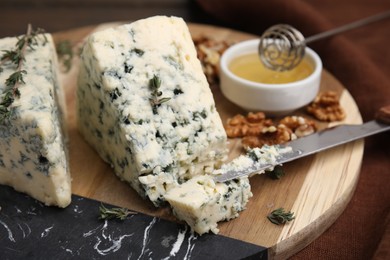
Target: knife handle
point(383, 115)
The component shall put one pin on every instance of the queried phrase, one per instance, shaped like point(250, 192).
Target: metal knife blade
point(314, 143)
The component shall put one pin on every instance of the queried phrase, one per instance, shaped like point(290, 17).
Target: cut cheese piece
point(33, 156)
point(256, 158)
point(202, 203)
point(144, 104)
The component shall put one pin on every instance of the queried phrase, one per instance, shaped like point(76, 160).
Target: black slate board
point(31, 230)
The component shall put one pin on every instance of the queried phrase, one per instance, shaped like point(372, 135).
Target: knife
point(314, 143)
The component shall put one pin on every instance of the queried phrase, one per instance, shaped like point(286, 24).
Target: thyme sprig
point(156, 99)
point(280, 216)
point(119, 213)
point(17, 57)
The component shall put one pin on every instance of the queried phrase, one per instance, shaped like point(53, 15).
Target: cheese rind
point(33, 153)
point(153, 146)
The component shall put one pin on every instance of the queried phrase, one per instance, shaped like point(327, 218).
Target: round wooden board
point(316, 188)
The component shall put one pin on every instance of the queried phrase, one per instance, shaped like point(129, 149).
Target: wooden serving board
point(316, 188)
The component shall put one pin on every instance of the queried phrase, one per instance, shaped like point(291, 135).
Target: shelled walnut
point(256, 130)
point(299, 125)
point(252, 124)
point(269, 136)
point(209, 53)
point(326, 107)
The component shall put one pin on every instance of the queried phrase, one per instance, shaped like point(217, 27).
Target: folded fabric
point(360, 60)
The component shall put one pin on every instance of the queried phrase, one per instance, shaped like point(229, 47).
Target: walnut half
point(209, 53)
point(269, 136)
point(252, 124)
point(326, 107)
point(299, 125)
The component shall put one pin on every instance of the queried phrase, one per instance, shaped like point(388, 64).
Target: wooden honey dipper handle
point(383, 114)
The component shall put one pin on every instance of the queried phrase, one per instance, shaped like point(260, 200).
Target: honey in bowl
point(250, 67)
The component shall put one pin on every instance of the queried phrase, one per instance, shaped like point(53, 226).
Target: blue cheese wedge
point(33, 155)
point(144, 104)
point(202, 203)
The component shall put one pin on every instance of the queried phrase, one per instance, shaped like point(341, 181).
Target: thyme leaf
point(280, 216)
point(13, 56)
point(119, 213)
point(155, 83)
point(163, 100)
point(277, 173)
point(16, 57)
point(15, 78)
point(155, 100)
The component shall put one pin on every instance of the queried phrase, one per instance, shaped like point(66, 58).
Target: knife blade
point(311, 144)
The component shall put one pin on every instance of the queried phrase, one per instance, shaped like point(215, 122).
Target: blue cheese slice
point(153, 145)
point(33, 156)
point(256, 158)
point(202, 203)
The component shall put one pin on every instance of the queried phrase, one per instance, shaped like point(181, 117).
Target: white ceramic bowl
point(273, 99)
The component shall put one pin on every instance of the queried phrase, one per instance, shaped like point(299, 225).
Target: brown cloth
point(360, 59)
